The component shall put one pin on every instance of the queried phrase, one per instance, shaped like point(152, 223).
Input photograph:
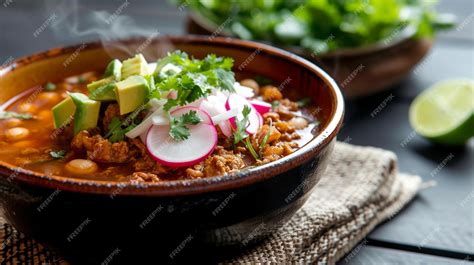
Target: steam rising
point(74, 21)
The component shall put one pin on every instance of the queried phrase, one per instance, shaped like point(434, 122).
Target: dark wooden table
point(436, 228)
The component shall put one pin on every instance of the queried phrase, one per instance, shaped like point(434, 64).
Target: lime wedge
point(444, 113)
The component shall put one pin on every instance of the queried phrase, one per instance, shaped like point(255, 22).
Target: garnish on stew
point(178, 118)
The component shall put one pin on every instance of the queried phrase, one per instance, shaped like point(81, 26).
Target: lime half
point(444, 113)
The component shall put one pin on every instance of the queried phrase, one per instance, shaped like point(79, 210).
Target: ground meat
point(290, 105)
point(273, 150)
point(284, 127)
point(144, 162)
point(272, 137)
point(222, 162)
point(268, 159)
point(113, 110)
point(194, 173)
point(284, 113)
point(273, 116)
point(138, 177)
point(99, 149)
point(271, 93)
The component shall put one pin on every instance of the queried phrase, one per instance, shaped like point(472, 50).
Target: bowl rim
point(193, 186)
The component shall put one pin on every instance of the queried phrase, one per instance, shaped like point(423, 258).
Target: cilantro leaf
point(178, 129)
point(57, 154)
point(11, 114)
point(196, 79)
point(240, 133)
point(118, 129)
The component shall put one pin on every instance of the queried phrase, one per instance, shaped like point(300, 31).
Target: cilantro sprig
point(196, 78)
point(240, 135)
point(118, 129)
point(178, 129)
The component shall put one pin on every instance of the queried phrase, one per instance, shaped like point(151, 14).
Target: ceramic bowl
point(89, 221)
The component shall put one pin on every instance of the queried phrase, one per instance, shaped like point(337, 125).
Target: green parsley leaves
point(178, 129)
point(240, 133)
point(11, 114)
point(195, 78)
point(118, 129)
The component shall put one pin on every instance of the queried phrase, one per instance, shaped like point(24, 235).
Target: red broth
point(32, 143)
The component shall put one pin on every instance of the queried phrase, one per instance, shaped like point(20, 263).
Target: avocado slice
point(62, 112)
point(87, 112)
point(131, 93)
point(102, 89)
point(104, 93)
point(114, 69)
point(99, 83)
point(134, 66)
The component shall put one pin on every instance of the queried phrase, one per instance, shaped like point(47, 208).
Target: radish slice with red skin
point(226, 128)
point(235, 101)
point(215, 105)
point(261, 106)
point(205, 117)
point(196, 103)
point(199, 145)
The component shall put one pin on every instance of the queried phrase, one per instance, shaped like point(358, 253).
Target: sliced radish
point(261, 106)
point(235, 101)
point(160, 120)
point(243, 91)
point(215, 105)
point(196, 103)
point(205, 117)
point(226, 128)
point(200, 144)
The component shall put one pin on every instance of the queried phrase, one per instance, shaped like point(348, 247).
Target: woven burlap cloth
point(360, 189)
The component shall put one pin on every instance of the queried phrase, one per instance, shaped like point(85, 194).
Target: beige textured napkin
point(360, 189)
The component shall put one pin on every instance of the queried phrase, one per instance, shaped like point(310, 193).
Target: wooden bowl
point(359, 71)
point(87, 220)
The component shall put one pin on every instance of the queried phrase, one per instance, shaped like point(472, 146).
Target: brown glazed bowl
point(88, 221)
point(358, 71)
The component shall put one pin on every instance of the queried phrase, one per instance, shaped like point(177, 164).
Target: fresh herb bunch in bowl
point(390, 35)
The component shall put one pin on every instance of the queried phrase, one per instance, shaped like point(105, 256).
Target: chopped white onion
point(151, 67)
point(144, 125)
point(224, 116)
